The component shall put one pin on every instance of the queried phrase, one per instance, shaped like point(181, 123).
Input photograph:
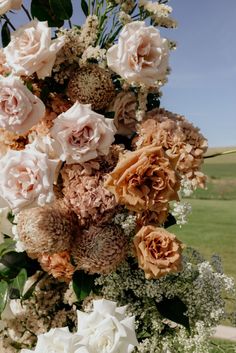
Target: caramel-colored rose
point(158, 251)
point(144, 179)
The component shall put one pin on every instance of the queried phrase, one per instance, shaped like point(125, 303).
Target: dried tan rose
point(158, 251)
point(58, 265)
point(124, 107)
point(144, 179)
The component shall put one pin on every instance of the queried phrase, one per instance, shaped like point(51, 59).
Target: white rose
point(6, 5)
point(32, 50)
point(82, 134)
point(26, 178)
point(57, 340)
point(141, 55)
point(107, 329)
point(5, 224)
point(19, 108)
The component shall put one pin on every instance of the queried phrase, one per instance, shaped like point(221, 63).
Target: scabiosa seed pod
point(47, 229)
point(91, 85)
point(100, 249)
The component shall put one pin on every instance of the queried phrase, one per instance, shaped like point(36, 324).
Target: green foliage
point(3, 295)
point(62, 9)
point(5, 34)
point(17, 284)
point(175, 310)
point(84, 7)
point(82, 284)
point(53, 11)
point(7, 246)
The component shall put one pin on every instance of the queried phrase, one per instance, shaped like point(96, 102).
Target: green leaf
point(84, 7)
point(41, 10)
point(171, 221)
point(18, 261)
point(175, 310)
point(3, 295)
point(62, 9)
point(6, 35)
point(82, 284)
point(19, 282)
point(7, 246)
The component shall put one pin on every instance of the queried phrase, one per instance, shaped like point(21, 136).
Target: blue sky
point(203, 79)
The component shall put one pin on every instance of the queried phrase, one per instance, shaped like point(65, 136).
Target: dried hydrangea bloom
point(124, 107)
point(91, 85)
point(158, 251)
point(144, 179)
point(47, 229)
point(58, 265)
point(181, 140)
point(100, 249)
point(9, 140)
point(86, 195)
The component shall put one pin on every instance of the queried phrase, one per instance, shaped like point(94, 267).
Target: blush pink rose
point(26, 178)
point(82, 134)
point(32, 50)
point(19, 108)
point(141, 55)
point(6, 5)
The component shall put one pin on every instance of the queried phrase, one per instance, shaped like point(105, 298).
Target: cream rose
point(6, 5)
point(32, 50)
point(19, 108)
point(59, 340)
point(26, 178)
point(141, 55)
point(82, 134)
point(158, 251)
point(106, 329)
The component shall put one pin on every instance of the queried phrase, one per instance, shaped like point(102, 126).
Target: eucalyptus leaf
point(3, 295)
point(62, 9)
point(6, 35)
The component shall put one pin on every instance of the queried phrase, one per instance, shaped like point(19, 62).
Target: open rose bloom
point(92, 177)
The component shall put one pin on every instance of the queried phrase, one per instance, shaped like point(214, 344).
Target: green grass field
point(222, 346)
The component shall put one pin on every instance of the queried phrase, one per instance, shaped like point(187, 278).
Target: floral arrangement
point(92, 176)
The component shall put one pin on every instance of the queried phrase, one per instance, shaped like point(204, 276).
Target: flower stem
point(9, 22)
point(220, 154)
point(27, 12)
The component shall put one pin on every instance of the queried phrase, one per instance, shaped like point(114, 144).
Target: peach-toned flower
point(158, 251)
point(26, 178)
point(181, 141)
point(58, 265)
point(6, 5)
point(100, 249)
point(141, 55)
point(19, 108)
point(32, 50)
point(124, 107)
point(86, 195)
point(82, 134)
point(143, 180)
